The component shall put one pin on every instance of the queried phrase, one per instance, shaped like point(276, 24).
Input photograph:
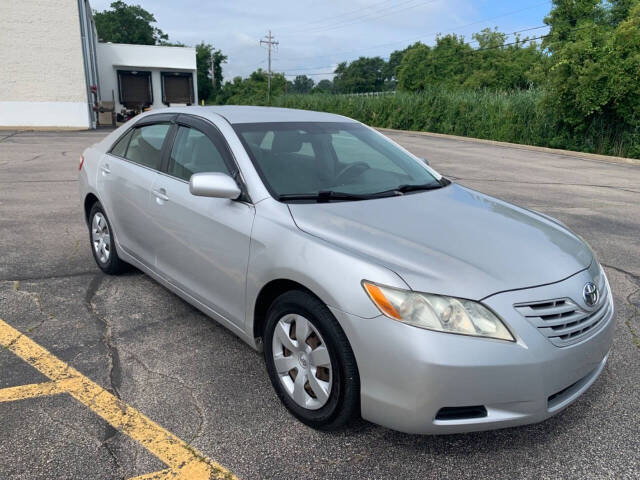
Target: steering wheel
point(351, 169)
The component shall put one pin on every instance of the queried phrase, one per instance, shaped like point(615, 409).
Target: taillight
point(81, 162)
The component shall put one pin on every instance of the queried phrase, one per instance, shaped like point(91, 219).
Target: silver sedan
point(374, 285)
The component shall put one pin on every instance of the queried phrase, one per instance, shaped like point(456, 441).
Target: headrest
point(200, 154)
point(287, 141)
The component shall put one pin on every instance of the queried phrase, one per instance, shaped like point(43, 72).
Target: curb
point(554, 151)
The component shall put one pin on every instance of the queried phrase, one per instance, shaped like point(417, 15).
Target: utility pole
point(213, 73)
point(269, 42)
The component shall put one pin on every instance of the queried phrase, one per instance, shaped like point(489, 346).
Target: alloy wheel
point(302, 361)
point(101, 238)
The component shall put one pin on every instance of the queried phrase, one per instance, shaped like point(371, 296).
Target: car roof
point(236, 114)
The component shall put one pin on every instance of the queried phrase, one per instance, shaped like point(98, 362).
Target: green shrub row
point(519, 117)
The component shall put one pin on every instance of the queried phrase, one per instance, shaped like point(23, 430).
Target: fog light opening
point(461, 413)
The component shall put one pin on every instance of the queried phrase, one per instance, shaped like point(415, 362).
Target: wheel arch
point(89, 200)
point(267, 295)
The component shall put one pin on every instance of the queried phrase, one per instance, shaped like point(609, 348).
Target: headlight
point(437, 312)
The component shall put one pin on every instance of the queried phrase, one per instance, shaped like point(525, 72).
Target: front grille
point(562, 321)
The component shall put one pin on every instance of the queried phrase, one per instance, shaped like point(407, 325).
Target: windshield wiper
point(329, 195)
point(400, 189)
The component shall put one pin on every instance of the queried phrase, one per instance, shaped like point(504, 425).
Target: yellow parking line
point(161, 475)
point(33, 390)
point(183, 460)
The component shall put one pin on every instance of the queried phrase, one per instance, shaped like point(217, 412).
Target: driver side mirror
point(216, 185)
point(425, 161)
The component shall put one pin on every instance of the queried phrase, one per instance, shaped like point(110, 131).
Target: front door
point(203, 246)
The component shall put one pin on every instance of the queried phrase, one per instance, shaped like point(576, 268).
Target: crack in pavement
point(47, 277)
point(634, 335)
point(496, 180)
point(114, 366)
point(179, 381)
point(13, 182)
point(99, 443)
point(635, 309)
point(115, 372)
point(636, 278)
point(35, 297)
point(567, 154)
point(9, 136)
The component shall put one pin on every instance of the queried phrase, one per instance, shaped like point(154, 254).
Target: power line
point(342, 15)
point(308, 74)
point(384, 12)
point(411, 40)
point(270, 42)
point(476, 50)
point(470, 42)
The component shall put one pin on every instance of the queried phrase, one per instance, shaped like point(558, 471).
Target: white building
point(141, 76)
point(55, 74)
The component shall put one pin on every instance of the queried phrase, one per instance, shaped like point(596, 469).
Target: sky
point(314, 36)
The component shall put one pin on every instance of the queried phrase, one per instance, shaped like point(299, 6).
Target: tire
point(337, 386)
point(105, 253)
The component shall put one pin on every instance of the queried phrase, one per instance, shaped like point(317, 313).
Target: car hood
point(451, 241)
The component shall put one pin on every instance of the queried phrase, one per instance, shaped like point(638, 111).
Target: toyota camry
point(375, 286)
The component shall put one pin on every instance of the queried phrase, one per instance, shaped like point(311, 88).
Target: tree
point(301, 84)
point(594, 63)
point(444, 64)
point(205, 52)
point(390, 69)
point(128, 24)
point(502, 67)
point(252, 90)
point(362, 75)
point(323, 86)
point(453, 63)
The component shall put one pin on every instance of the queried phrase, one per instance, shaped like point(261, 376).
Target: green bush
point(519, 116)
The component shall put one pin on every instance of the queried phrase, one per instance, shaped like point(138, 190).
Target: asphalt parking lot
point(147, 354)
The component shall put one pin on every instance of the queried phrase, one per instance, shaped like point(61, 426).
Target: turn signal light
point(380, 300)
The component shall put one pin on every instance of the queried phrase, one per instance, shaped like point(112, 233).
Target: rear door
point(125, 177)
point(204, 244)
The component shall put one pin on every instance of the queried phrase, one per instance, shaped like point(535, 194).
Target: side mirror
point(425, 161)
point(217, 185)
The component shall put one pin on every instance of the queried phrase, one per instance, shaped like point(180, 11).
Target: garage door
point(135, 89)
point(177, 87)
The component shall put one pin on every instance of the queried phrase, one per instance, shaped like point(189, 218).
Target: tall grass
point(518, 117)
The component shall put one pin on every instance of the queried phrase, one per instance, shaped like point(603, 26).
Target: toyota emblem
point(590, 294)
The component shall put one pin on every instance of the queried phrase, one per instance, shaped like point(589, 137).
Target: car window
point(145, 146)
point(193, 152)
point(312, 157)
point(120, 148)
point(349, 149)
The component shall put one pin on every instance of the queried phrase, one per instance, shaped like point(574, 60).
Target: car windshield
point(323, 160)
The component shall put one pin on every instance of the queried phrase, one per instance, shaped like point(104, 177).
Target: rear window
point(145, 145)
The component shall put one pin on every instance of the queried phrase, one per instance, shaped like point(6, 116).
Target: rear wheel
point(310, 361)
point(103, 245)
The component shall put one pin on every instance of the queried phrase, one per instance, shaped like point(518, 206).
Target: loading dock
point(177, 87)
point(140, 77)
point(57, 75)
point(135, 90)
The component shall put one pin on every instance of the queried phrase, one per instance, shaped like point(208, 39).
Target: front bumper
point(408, 374)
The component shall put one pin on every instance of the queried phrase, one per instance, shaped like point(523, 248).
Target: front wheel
point(310, 361)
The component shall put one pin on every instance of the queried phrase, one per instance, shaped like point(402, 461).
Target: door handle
point(105, 169)
point(161, 194)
